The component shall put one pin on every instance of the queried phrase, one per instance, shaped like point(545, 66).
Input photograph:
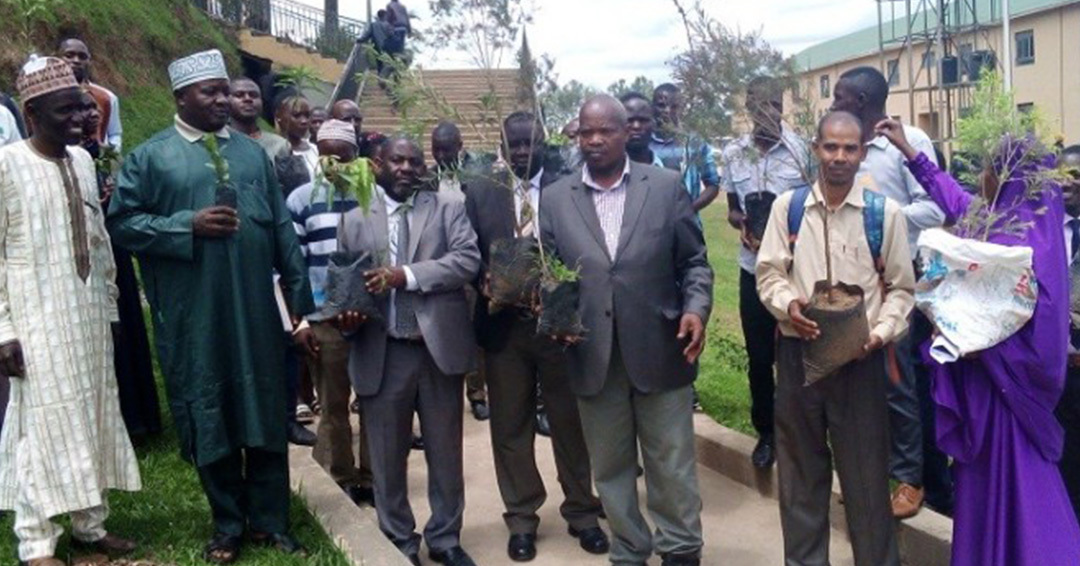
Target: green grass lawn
point(722, 384)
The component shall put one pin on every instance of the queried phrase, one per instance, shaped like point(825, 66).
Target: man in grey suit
point(646, 292)
point(416, 361)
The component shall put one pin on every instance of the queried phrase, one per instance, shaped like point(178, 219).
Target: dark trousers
point(843, 416)
point(513, 374)
point(759, 330)
point(248, 489)
point(412, 384)
point(937, 473)
point(1068, 413)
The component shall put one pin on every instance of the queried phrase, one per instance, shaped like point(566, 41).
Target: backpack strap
point(874, 225)
point(795, 213)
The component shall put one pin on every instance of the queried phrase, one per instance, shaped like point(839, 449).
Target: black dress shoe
point(681, 560)
point(360, 495)
point(522, 547)
point(301, 436)
point(592, 540)
point(414, 559)
point(480, 410)
point(543, 426)
point(455, 556)
point(764, 455)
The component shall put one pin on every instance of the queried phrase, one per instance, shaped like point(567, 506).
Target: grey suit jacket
point(660, 272)
point(444, 259)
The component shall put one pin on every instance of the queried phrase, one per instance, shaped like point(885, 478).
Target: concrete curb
point(355, 530)
point(925, 540)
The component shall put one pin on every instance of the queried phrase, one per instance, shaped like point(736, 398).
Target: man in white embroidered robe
point(64, 442)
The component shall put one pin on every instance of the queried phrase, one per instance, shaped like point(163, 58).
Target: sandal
point(222, 549)
point(110, 545)
point(280, 542)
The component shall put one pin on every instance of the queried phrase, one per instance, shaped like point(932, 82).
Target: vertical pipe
point(1006, 42)
point(881, 38)
point(909, 43)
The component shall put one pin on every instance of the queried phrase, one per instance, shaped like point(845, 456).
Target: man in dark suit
point(646, 293)
point(502, 207)
point(414, 363)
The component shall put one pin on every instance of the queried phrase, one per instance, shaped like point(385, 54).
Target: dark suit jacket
point(489, 202)
point(659, 273)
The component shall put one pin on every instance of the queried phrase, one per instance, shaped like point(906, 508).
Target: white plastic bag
point(976, 293)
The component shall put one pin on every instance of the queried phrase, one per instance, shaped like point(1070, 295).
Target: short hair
point(838, 116)
point(445, 130)
point(521, 116)
point(1071, 150)
point(633, 95)
point(869, 82)
point(243, 79)
point(63, 40)
point(380, 14)
point(666, 87)
point(390, 140)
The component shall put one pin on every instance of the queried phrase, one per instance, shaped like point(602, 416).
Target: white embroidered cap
point(199, 67)
point(339, 130)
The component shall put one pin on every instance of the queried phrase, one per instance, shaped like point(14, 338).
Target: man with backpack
point(845, 413)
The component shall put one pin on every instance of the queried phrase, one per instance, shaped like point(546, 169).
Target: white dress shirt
point(393, 224)
point(9, 128)
point(610, 203)
point(533, 194)
point(887, 167)
point(1069, 251)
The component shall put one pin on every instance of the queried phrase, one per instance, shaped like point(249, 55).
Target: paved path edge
point(925, 540)
point(355, 530)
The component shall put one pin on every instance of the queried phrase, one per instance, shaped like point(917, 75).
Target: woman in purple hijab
point(995, 409)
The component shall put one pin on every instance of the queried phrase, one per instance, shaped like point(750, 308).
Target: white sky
point(598, 42)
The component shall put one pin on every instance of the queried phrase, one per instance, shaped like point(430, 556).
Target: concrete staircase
point(479, 98)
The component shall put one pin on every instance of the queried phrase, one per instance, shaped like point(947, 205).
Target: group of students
point(224, 277)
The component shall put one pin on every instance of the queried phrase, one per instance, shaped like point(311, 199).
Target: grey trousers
point(843, 415)
point(905, 417)
point(513, 375)
point(412, 383)
point(618, 420)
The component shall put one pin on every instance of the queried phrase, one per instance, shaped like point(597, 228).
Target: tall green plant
point(1008, 146)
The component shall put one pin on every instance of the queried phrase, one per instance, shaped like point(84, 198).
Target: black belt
point(411, 341)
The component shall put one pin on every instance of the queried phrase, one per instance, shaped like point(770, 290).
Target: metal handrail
point(298, 23)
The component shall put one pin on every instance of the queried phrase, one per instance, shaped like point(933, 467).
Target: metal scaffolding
point(953, 39)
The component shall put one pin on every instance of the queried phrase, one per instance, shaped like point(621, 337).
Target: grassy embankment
point(133, 42)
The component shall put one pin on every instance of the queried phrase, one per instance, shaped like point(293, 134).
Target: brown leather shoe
point(906, 501)
point(111, 545)
point(50, 561)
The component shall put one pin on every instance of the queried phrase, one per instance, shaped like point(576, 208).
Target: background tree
point(640, 84)
point(715, 68)
point(562, 102)
point(484, 29)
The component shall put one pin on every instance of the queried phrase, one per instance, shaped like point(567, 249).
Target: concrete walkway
point(742, 528)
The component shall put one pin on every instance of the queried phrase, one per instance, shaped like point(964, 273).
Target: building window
point(929, 60)
point(826, 88)
point(1026, 107)
point(1025, 47)
point(966, 69)
point(893, 72)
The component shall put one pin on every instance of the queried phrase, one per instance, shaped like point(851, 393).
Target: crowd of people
point(235, 265)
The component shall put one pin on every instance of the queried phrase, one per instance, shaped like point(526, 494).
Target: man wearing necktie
point(1068, 411)
point(415, 362)
point(503, 207)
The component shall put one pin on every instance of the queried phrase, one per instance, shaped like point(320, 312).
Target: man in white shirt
point(759, 166)
point(863, 91)
point(503, 207)
point(1068, 411)
point(9, 128)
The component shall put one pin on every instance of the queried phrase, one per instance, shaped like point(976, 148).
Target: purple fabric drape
point(995, 411)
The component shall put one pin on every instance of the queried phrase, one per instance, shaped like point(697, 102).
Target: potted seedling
point(559, 293)
point(345, 287)
point(840, 312)
point(224, 192)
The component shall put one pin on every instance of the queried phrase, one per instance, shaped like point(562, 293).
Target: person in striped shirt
point(316, 222)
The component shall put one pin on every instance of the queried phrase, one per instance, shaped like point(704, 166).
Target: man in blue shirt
point(683, 151)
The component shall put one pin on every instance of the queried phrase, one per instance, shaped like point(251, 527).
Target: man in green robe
point(208, 257)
